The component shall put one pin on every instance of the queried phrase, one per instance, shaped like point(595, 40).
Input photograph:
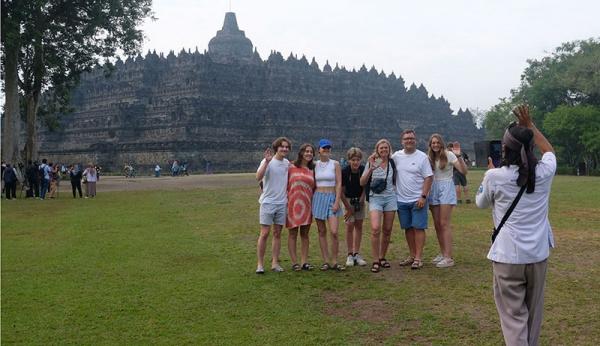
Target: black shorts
point(459, 179)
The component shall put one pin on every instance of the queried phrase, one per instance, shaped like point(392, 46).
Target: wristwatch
point(424, 196)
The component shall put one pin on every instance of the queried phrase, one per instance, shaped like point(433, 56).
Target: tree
point(569, 76)
point(498, 118)
point(47, 44)
point(576, 133)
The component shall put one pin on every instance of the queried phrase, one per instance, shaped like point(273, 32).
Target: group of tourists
point(408, 182)
point(42, 180)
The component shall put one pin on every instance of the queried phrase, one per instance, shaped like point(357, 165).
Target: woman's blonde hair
point(354, 152)
point(431, 154)
point(381, 141)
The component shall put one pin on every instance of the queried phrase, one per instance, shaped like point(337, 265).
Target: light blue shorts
point(442, 192)
point(272, 214)
point(382, 203)
point(412, 217)
point(322, 205)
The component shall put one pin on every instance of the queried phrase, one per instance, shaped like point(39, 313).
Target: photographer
point(519, 252)
point(354, 205)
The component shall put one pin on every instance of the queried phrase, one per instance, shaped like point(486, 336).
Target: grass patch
point(177, 267)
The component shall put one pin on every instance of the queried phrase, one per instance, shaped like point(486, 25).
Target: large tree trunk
point(11, 129)
point(31, 146)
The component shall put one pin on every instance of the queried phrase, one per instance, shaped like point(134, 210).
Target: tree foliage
point(564, 90)
point(56, 40)
point(576, 132)
point(497, 119)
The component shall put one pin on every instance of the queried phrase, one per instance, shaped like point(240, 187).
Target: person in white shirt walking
point(273, 173)
point(413, 182)
point(520, 250)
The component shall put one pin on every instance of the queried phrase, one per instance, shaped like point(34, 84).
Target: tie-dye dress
point(301, 183)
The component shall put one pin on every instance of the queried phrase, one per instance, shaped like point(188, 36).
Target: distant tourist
point(75, 175)
point(521, 247)
point(90, 178)
point(32, 177)
point(413, 183)
point(354, 205)
point(459, 178)
point(442, 197)
point(45, 172)
point(379, 180)
point(326, 204)
point(157, 170)
point(54, 180)
point(301, 184)
point(273, 173)
point(9, 178)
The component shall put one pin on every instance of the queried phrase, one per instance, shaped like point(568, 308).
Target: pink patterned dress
point(301, 184)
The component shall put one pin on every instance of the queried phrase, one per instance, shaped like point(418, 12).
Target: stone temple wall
point(223, 114)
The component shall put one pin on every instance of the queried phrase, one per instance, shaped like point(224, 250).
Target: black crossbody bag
point(508, 212)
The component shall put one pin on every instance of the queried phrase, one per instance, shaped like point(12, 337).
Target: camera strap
point(508, 212)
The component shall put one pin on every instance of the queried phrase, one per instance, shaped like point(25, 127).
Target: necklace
point(323, 165)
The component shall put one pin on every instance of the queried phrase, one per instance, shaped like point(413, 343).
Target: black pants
point(11, 190)
point(35, 186)
point(76, 185)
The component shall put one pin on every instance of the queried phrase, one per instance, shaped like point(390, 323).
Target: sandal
point(384, 263)
point(417, 264)
point(296, 267)
point(338, 268)
point(375, 267)
point(307, 266)
point(325, 267)
point(408, 261)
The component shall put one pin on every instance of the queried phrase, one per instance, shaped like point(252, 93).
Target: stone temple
point(222, 108)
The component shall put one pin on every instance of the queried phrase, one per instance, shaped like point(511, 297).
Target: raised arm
point(460, 163)
point(522, 114)
point(260, 173)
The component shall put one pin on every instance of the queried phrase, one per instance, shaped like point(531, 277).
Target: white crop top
point(325, 173)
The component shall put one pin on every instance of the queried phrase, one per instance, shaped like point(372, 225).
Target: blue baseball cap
point(324, 143)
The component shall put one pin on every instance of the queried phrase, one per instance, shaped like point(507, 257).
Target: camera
point(355, 202)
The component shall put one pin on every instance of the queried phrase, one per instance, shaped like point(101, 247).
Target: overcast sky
point(472, 52)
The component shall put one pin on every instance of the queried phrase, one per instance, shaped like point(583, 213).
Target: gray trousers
point(519, 297)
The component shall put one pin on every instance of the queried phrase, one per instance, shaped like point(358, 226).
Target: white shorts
point(442, 192)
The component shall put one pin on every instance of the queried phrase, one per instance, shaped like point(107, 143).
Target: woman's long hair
point(432, 155)
point(298, 161)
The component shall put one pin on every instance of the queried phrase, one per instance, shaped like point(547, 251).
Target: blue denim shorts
point(412, 217)
point(382, 203)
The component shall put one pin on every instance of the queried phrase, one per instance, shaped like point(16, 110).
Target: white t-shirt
point(325, 173)
point(275, 182)
point(526, 237)
point(446, 173)
point(412, 169)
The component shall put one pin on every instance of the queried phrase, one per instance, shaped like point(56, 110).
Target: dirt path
point(118, 183)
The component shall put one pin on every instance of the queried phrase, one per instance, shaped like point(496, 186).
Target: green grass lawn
point(166, 267)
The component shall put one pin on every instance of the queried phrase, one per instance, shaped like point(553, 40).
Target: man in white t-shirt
point(413, 183)
point(520, 250)
point(273, 173)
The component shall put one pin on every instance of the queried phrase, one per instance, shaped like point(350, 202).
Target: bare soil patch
point(119, 183)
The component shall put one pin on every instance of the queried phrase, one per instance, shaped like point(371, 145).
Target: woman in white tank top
point(326, 203)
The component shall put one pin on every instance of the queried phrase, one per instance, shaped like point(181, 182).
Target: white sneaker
point(260, 270)
point(437, 259)
point(277, 269)
point(350, 261)
point(359, 260)
point(445, 263)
